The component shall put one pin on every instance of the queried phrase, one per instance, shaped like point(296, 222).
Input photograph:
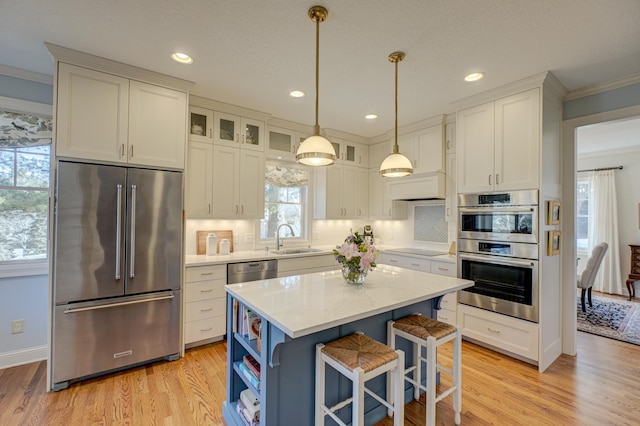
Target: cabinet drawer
point(203, 273)
point(443, 268)
point(447, 315)
point(407, 262)
point(204, 290)
point(204, 329)
point(205, 309)
point(297, 264)
point(510, 334)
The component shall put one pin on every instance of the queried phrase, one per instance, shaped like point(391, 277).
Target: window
point(285, 200)
point(24, 186)
point(582, 210)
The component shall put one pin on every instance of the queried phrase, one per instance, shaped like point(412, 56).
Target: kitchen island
point(299, 311)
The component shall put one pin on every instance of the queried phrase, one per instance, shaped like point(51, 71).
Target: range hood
point(427, 186)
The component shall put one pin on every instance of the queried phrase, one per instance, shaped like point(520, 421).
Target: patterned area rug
point(612, 318)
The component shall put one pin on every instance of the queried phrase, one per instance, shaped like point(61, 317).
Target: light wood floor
point(601, 385)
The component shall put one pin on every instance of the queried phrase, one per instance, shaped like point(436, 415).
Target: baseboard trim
point(23, 356)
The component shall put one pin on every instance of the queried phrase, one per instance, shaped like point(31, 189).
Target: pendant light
point(396, 164)
point(316, 150)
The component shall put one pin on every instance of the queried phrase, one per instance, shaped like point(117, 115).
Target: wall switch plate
point(248, 238)
point(17, 326)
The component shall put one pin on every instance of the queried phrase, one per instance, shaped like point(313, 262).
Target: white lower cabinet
point(502, 332)
point(205, 304)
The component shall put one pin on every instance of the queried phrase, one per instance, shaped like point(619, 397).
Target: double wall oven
point(498, 250)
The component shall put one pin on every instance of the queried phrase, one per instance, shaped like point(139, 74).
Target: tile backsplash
point(429, 223)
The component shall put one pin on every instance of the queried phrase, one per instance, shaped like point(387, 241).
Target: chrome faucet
point(293, 234)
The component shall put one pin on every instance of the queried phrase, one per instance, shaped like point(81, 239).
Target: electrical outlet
point(248, 238)
point(17, 326)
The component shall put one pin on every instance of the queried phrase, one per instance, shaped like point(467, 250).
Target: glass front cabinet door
point(233, 130)
point(200, 124)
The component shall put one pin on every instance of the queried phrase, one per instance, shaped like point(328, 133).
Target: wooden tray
point(201, 240)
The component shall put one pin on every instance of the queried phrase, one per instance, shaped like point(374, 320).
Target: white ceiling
point(252, 53)
point(610, 136)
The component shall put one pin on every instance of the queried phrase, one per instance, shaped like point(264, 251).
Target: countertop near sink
point(249, 255)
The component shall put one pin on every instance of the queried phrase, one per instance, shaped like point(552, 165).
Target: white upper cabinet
point(450, 138)
point(498, 144)
point(233, 130)
point(337, 193)
point(92, 114)
point(157, 125)
point(100, 116)
point(425, 149)
point(238, 183)
point(200, 124)
point(199, 180)
point(282, 144)
point(350, 153)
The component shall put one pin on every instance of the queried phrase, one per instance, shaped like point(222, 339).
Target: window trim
point(26, 268)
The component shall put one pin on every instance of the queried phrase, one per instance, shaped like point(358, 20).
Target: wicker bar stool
point(430, 333)
point(360, 358)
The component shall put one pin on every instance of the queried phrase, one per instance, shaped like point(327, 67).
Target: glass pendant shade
point(316, 151)
point(396, 165)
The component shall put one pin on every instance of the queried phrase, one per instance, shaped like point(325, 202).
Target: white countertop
point(304, 304)
point(250, 255)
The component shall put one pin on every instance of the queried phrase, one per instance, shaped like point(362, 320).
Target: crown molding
point(603, 87)
point(212, 104)
point(74, 57)
point(26, 75)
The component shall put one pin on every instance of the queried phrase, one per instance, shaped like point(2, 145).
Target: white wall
point(23, 298)
point(628, 195)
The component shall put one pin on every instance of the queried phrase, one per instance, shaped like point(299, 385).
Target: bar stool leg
point(357, 406)
point(417, 373)
point(398, 404)
point(457, 375)
point(391, 341)
point(431, 381)
point(320, 378)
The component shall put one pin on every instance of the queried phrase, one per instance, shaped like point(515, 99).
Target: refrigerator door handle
point(113, 305)
point(132, 236)
point(118, 229)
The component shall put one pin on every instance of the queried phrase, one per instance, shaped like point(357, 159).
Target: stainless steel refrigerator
point(117, 269)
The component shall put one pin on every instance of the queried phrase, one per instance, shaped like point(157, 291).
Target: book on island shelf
point(255, 381)
point(250, 400)
point(253, 365)
point(248, 418)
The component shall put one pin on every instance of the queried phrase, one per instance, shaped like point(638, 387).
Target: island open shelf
point(296, 313)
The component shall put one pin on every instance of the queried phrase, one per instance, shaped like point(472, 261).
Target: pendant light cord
point(395, 141)
point(316, 127)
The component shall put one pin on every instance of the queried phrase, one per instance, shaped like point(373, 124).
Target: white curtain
point(603, 226)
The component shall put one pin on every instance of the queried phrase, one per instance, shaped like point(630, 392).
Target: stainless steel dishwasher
point(251, 271)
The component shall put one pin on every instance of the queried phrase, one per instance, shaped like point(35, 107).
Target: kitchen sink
point(295, 251)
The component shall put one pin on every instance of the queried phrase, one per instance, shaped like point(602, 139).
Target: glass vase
point(353, 275)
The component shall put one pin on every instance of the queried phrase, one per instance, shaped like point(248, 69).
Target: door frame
point(569, 252)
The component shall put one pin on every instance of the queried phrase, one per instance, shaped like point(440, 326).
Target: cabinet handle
point(121, 150)
point(206, 329)
point(131, 151)
point(415, 264)
point(359, 159)
point(493, 331)
point(237, 140)
point(448, 144)
point(443, 269)
point(206, 273)
point(443, 317)
point(489, 179)
point(415, 164)
point(359, 212)
point(209, 290)
point(497, 178)
point(389, 212)
point(208, 208)
point(206, 310)
point(393, 261)
point(210, 133)
point(236, 209)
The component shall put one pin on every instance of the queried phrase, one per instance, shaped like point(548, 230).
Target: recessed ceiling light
point(183, 58)
point(371, 116)
point(296, 93)
point(474, 76)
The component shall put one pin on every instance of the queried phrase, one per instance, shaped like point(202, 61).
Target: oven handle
point(496, 209)
point(499, 260)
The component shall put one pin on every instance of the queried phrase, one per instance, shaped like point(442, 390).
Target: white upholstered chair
point(588, 276)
